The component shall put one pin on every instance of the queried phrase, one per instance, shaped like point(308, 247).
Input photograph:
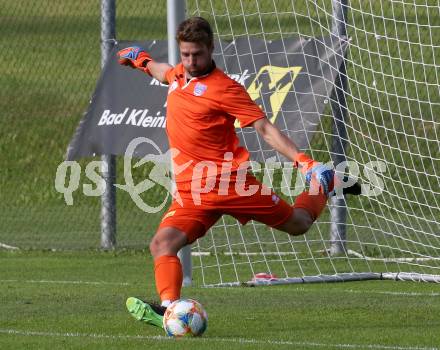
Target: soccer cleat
point(146, 312)
point(355, 189)
point(323, 180)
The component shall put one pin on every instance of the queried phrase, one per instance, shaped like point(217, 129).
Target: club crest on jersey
point(200, 89)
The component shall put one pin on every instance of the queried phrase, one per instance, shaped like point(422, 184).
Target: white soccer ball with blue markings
point(185, 317)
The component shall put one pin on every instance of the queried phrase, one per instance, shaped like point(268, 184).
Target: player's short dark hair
point(195, 30)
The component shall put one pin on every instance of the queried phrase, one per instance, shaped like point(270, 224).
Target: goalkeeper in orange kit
point(203, 104)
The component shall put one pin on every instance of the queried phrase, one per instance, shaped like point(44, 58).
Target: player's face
point(196, 58)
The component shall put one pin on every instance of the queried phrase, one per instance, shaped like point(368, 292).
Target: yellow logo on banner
point(273, 81)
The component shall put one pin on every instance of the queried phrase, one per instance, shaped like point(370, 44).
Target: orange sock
point(169, 276)
point(313, 204)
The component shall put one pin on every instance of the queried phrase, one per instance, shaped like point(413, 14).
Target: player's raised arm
point(137, 57)
point(274, 137)
point(282, 144)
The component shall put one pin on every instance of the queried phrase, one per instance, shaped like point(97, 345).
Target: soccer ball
point(185, 317)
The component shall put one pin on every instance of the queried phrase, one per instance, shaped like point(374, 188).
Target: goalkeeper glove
point(317, 174)
point(135, 57)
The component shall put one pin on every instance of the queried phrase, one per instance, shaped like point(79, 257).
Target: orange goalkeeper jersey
point(200, 121)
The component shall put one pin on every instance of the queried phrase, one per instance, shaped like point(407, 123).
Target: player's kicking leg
point(309, 205)
point(168, 275)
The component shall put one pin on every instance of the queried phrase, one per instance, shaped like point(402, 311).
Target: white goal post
point(386, 126)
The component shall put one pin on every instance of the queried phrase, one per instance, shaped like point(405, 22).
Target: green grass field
point(76, 300)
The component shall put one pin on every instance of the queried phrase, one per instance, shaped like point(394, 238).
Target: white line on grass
point(9, 247)
point(406, 294)
point(213, 340)
point(383, 292)
point(66, 282)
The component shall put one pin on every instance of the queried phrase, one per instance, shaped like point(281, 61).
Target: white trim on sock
point(166, 303)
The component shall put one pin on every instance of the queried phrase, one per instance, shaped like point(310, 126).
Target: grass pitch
point(76, 300)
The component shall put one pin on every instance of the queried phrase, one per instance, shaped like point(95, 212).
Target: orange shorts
point(194, 213)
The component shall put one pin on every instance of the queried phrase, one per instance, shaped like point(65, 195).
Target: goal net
point(391, 125)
